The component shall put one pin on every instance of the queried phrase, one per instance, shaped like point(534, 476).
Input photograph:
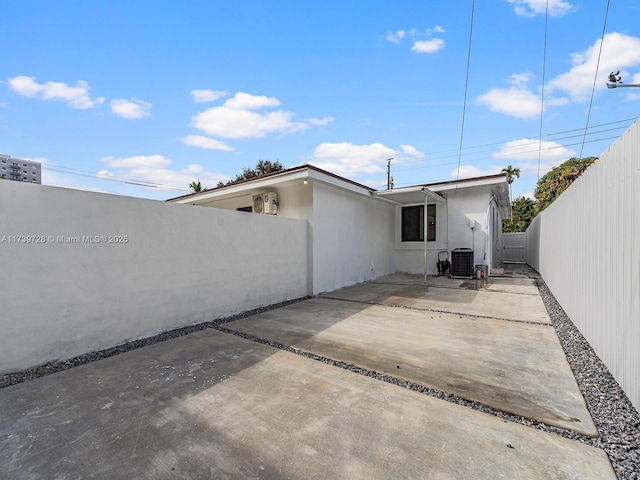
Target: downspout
point(425, 227)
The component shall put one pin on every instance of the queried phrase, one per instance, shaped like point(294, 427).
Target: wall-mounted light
point(305, 181)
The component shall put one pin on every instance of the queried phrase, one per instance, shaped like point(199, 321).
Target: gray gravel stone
point(616, 419)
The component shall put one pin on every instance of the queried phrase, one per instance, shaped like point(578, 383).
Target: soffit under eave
point(408, 197)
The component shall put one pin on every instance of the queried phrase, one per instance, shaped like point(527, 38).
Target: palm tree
point(511, 173)
point(195, 186)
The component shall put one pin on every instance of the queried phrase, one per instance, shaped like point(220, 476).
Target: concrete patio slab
point(508, 306)
point(212, 405)
point(514, 367)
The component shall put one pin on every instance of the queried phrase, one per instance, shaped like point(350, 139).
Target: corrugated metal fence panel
point(586, 246)
point(513, 247)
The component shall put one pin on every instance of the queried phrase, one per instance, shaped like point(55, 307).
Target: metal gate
point(513, 247)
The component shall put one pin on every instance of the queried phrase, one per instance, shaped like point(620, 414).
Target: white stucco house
point(357, 233)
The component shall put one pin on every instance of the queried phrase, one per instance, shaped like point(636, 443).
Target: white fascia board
point(337, 182)
point(405, 196)
point(234, 190)
point(273, 182)
point(481, 182)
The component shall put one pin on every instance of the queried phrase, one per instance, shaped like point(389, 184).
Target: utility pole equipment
point(616, 81)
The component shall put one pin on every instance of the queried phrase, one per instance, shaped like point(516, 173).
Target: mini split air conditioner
point(265, 203)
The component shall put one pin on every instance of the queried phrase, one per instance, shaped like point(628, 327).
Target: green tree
point(553, 183)
point(523, 210)
point(262, 168)
point(195, 186)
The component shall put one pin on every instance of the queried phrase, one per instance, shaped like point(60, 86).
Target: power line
point(416, 165)
point(466, 87)
point(479, 159)
point(111, 178)
point(544, 69)
point(472, 149)
point(546, 136)
point(595, 76)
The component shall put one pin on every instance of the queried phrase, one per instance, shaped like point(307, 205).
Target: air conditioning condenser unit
point(265, 203)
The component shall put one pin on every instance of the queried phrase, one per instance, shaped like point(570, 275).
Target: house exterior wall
point(353, 238)
point(295, 201)
point(453, 230)
point(466, 205)
point(409, 256)
point(66, 292)
point(586, 246)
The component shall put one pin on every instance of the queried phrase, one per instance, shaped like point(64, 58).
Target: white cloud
point(233, 123)
point(349, 160)
point(206, 142)
point(631, 96)
point(153, 170)
point(428, 46)
point(518, 100)
point(246, 101)
point(436, 29)
point(431, 45)
point(530, 8)
point(619, 52)
point(395, 37)
point(411, 151)
point(238, 118)
point(526, 150)
point(515, 101)
point(76, 97)
point(138, 161)
point(471, 171)
point(318, 122)
point(520, 79)
point(523, 154)
point(132, 109)
point(204, 96)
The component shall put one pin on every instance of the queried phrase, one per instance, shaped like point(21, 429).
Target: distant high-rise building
point(20, 170)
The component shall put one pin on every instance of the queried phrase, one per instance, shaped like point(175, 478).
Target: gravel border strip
point(13, 378)
point(615, 417)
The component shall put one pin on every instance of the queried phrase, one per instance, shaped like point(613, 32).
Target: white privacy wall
point(586, 246)
point(179, 265)
point(353, 238)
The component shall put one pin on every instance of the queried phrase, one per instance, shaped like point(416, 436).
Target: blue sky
point(112, 94)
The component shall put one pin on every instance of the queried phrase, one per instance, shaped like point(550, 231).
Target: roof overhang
point(285, 178)
point(409, 195)
point(497, 184)
point(500, 194)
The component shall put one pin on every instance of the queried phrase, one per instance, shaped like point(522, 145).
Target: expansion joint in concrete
point(432, 392)
point(435, 310)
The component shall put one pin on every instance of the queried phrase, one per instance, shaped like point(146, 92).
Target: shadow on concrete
point(118, 416)
point(212, 404)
